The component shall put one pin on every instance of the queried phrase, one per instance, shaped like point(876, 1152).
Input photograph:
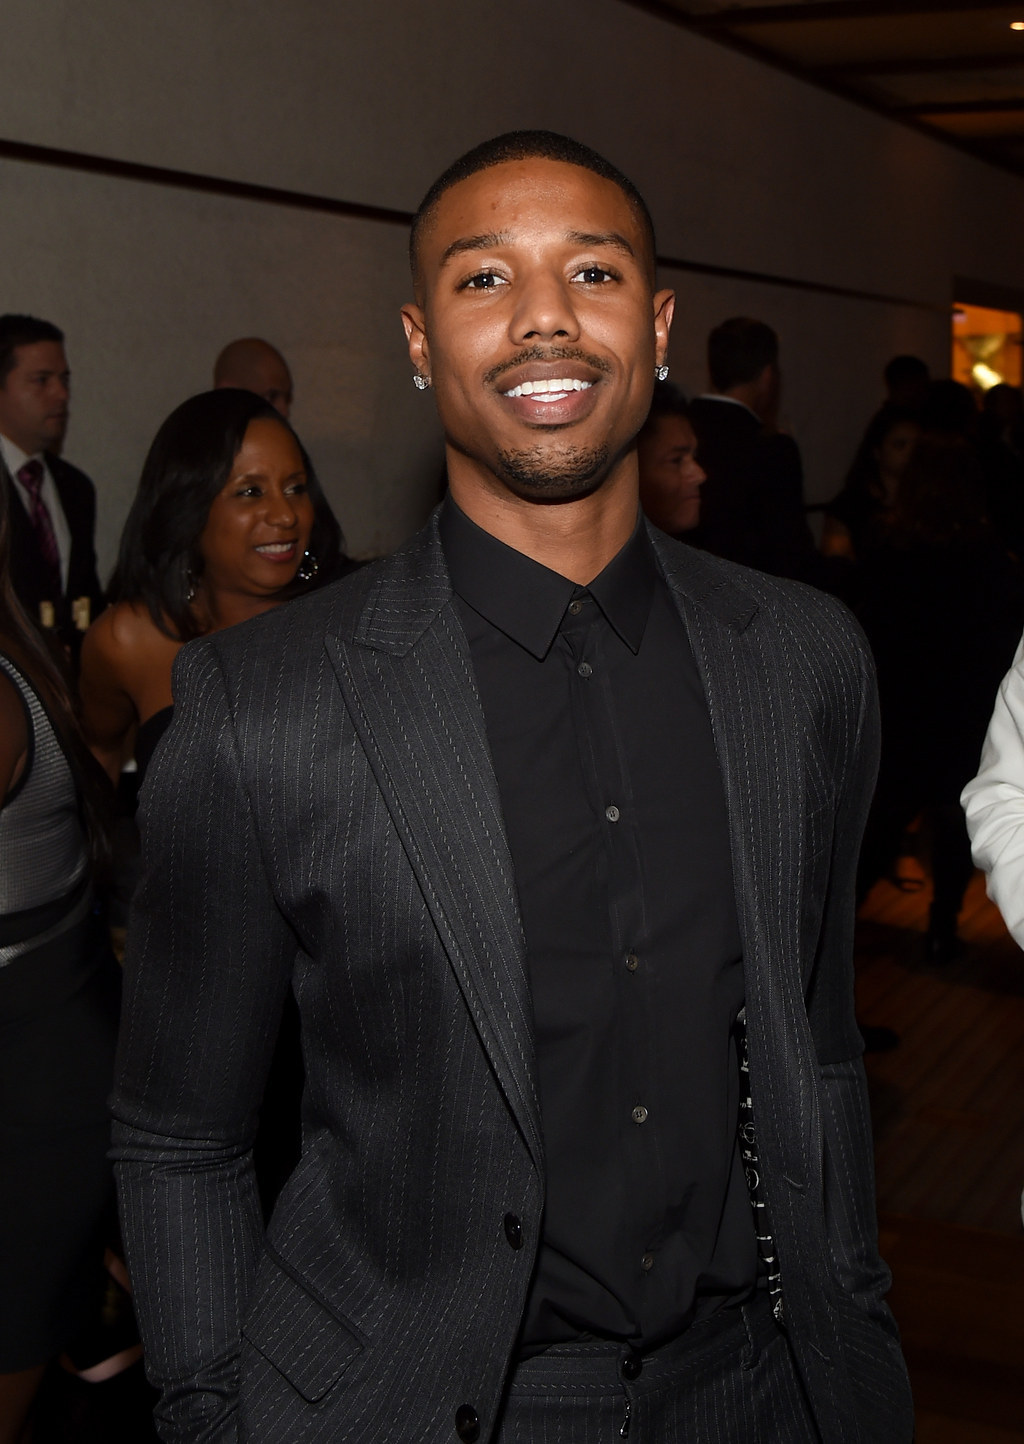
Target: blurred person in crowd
point(1003, 416)
point(857, 519)
point(539, 818)
point(952, 409)
point(59, 996)
point(906, 382)
point(251, 364)
point(752, 503)
point(51, 504)
point(943, 606)
point(228, 521)
point(670, 474)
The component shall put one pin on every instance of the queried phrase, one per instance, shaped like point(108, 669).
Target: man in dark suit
point(550, 823)
point(752, 504)
point(53, 504)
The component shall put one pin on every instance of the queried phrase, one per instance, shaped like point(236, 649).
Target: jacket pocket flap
point(300, 1336)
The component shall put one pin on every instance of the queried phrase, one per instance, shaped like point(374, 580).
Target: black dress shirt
point(615, 815)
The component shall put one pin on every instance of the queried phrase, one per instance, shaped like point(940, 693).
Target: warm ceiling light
point(1017, 24)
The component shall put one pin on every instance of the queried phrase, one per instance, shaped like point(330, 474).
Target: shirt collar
point(527, 601)
point(729, 401)
point(13, 456)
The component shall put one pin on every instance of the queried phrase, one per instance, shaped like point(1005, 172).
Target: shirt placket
point(594, 681)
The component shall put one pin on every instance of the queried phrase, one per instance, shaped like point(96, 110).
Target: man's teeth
point(540, 388)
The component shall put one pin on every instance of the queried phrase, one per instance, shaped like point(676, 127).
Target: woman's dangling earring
point(308, 567)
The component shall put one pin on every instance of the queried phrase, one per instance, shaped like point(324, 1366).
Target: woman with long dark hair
point(857, 519)
point(59, 991)
point(228, 521)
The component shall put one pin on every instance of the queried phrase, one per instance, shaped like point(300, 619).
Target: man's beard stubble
point(536, 475)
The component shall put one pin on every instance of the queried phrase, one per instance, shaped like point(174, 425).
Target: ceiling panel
point(952, 67)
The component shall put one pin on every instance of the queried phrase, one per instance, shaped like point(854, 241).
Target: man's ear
point(664, 308)
point(414, 322)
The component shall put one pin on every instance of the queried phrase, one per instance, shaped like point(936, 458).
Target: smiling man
point(53, 512)
point(551, 825)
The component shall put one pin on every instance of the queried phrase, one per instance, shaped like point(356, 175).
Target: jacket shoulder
point(799, 616)
point(387, 603)
point(67, 475)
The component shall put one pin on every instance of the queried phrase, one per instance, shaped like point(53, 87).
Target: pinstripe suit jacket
point(323, 814)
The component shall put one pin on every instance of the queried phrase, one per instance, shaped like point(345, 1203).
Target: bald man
point(254, 365)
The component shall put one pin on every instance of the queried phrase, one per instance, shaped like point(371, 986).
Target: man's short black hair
point(739, 350)
point(18, 331)
point(528, 145)
point(902, 370)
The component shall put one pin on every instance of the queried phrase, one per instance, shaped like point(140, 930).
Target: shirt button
point(632, 962)
point(585, 669)
point(639, 1114)
point(513, 1231)
point(575, 608)
point(647, 1262)
point(612, 813)
point(632, 1366)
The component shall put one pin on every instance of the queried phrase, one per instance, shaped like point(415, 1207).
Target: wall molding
point(43, 155)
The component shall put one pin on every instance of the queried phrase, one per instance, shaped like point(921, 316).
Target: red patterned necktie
point(31, 478)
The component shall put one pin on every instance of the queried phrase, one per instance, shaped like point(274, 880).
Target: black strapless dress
point(148, 736)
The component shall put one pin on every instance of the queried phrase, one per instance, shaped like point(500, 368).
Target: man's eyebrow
point(489, 241)
point(602, 238)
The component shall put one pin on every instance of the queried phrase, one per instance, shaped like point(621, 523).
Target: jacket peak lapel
point(408, 683)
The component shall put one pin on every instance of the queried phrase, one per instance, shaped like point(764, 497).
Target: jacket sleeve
point(994, 801)
point(208, 964)
point(849, 1180)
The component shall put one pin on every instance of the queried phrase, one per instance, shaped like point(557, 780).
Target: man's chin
point(535, 475)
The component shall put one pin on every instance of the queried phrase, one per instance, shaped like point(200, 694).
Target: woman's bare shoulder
point(125, 630)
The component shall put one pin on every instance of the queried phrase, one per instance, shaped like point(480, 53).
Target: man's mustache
point(547, 353)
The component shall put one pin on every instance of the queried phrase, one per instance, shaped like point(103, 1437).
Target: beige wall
point(743, 167)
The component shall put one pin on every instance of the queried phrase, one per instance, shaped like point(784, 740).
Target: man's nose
point(545, 311)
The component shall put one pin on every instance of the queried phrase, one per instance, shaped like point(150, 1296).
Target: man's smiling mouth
point(555, 389)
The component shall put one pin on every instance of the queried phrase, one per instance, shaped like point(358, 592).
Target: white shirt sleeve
point(994, 801)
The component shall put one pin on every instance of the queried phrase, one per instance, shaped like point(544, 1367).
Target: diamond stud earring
point(661, 372)
point(422, 383)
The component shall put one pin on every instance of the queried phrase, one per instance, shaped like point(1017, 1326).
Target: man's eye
point(593, 275)
point(483, 281)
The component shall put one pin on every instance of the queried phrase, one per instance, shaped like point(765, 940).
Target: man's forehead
point(501, 199)
point(41, 356)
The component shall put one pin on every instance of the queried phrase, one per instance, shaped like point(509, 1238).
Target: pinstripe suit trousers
point(732, 1378)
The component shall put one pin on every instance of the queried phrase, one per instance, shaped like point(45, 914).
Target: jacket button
point(513, 1231)
point(467, 1423)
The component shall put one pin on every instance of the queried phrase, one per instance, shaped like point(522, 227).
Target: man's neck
point(575, 538)
point(14, 454)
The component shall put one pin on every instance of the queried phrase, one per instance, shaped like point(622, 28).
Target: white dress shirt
point(14, 459)
point(994, 801)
